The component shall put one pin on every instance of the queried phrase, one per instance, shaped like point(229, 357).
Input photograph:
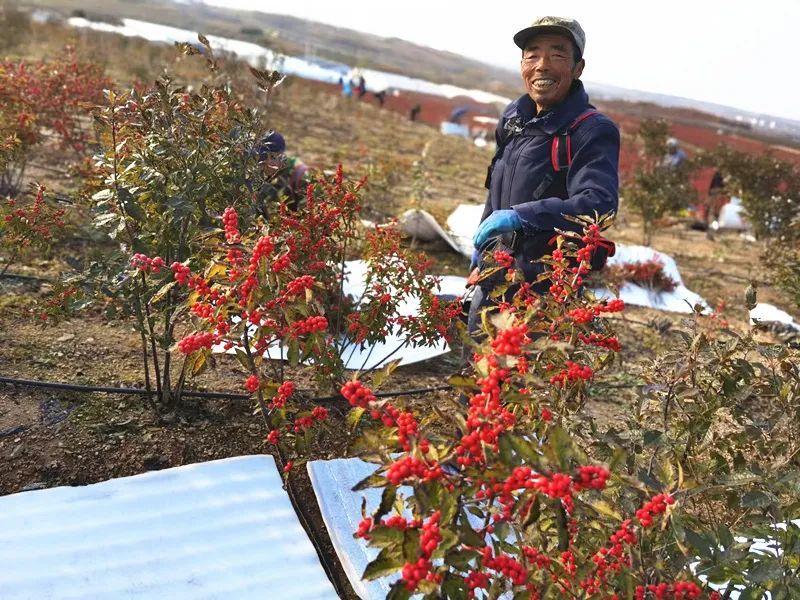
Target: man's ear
point(578, 70)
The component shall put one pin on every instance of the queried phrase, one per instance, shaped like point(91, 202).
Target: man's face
point(548, 68)
point(273, 162)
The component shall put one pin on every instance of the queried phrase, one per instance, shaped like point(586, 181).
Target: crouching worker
point(556, 156)
point(280, 177)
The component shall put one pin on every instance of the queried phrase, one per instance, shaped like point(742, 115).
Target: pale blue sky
point(737, 53)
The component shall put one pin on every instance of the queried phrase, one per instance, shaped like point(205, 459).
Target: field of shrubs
point(578, 448)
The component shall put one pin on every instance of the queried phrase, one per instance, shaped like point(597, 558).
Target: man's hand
point(500, 221)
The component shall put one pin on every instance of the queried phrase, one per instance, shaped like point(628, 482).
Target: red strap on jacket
point(567, 135)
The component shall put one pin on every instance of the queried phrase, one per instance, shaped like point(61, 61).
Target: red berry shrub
point(503, 494)
point(40, 100)
point(646, 273)
point(27, 225)
point(277, 289)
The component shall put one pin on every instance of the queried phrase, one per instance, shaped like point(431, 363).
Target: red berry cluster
point(299, 285)
point(285, 391)
point(510, 341)
point(405, 421)
point(476, 580)
point(410, 466)
point(263, 248)
point(503, 258)
point(399, 522)
point(320, 413)
point(273, 436)
point(146, 264)
point(656, 506)
point(230, 221)
point(590, 477)
point(357, 394)
point(181, 272)
point(281, 263)
point(680, 590)
point(252, 384)
point(307, 326)
point(614, 305)
point(194, 342)
point(582, 315)
point(536, 558)
point(505, 564)
point(413, 573)
point(573, 372)
point(364, 527)
point(430, 536)
point(603, 341)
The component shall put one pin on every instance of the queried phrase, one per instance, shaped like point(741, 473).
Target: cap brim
point(521, 37)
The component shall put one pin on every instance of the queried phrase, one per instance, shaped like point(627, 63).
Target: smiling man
point(556, 155)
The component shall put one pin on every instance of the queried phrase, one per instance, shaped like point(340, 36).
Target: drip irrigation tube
point(190, 393)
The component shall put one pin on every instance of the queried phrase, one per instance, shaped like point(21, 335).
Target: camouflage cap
point(569, 27)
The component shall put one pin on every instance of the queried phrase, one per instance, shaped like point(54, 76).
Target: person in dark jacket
point(282, 177)
point(528, 197)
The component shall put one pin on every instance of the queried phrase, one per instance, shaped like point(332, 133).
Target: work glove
point(500, 221)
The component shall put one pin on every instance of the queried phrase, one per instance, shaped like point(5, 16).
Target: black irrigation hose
point(190, 393)
point(27, 277)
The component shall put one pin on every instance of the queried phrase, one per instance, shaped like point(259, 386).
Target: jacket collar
point(524, 110)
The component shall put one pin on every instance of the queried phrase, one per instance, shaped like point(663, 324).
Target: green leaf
point(383, 537)
point(411, 544)
point(766, 570)
point(387, 500)
point(604, 508)
point(506, 451)
point(354, 416)
point(449, 539)
point(461, 559)
point(468, 535)
point(387, 562)
point(159, 295)
point(460, 381)
point(454, 588)
point(374, 480)
point(293, 352)
point(381, 376)
point(652, 437)
point(399, 591)
point(756, 499)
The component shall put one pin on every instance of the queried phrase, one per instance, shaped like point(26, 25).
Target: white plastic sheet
point(256, 55)
point(368, 356)
point(333, 481)
point(423, 226)
point(769, 313)
point(215, 530)
point(731, 216)
point(462, 223)
point(680, 300)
